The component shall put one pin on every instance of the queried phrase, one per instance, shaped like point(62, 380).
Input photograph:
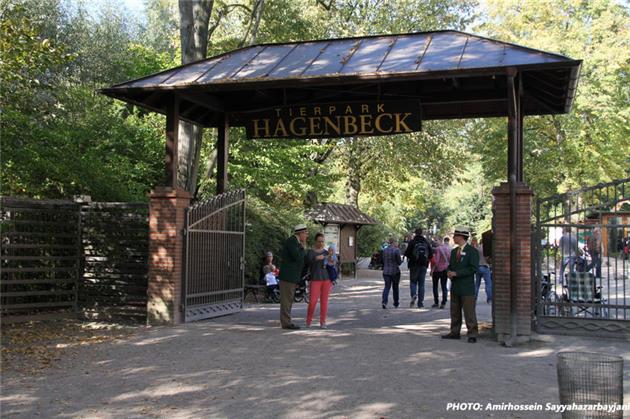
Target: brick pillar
point(166, 244)
point(502, 266)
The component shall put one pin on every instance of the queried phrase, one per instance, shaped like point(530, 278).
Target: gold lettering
point(366, 124)
point(331, 110)
point(292, 127)
point(291, 112)
point(314, 124)
point(350, 121)
point(278, 112)
point(348, 110)
point(329, 123)
point(317, 110)
point(380, 108)
point(401, 122)
point(257, 128)
point(377, 122)
point(302, 111)
point(365, 108)
point(280, 128)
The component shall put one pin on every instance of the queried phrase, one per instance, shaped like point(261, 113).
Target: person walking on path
point(319, 285)
point(439, 266)
point(483, 272)
point(418, 254)
point(391, 271)
point(569, 252)
point(291, 265)
point(463, 264)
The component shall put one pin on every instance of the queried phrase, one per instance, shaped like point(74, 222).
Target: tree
point(590, 144)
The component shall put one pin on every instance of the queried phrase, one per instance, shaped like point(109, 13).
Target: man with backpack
point(418, 254)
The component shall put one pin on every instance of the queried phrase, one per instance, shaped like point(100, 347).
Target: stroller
point(377, 260)
point(301, 290)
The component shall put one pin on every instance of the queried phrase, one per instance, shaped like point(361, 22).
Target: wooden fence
point(61, 258)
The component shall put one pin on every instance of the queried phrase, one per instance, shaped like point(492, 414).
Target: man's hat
point(462, 231)
point(300, 228)
point(268, 254)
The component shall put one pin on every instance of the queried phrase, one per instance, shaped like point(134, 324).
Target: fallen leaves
point(30, 348)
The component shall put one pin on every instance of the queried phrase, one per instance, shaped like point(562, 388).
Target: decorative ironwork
point(214, 257)
point(582, 274)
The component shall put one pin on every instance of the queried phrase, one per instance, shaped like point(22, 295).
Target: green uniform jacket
point(291, 260)
point(464, 282)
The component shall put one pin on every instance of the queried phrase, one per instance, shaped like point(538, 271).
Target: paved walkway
point(371, 363)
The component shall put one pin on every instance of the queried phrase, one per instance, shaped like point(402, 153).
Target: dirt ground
point(370, 363)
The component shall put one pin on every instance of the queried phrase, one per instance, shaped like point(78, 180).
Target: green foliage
point(589, 145)
point(371, 237)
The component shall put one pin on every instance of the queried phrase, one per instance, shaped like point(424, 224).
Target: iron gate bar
point(214, 257)
point(585, 218)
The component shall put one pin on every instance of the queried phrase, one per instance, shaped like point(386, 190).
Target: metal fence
point(215, 251)
point(582, 275)
point(62, 258)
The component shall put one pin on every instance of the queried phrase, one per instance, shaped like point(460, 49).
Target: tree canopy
point(60, 137)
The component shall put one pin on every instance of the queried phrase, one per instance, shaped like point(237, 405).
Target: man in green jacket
point(461, 270)
point(291, 265)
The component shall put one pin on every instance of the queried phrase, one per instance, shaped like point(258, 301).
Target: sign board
point(335, 120)
point(331, 235)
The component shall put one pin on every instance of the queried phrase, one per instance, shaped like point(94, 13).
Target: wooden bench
point(257, 291)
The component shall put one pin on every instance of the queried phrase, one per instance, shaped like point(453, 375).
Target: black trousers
point(441, 278)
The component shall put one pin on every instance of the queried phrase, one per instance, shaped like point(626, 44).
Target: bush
point(371, 237)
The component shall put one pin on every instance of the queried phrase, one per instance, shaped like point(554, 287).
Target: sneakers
point(384, 306)
point(323, 326)
point(413, 302)
point(442, 305)
point(420, 305)
point(435, 305)
point(472, 339)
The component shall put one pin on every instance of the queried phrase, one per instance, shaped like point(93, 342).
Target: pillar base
point(166, 251)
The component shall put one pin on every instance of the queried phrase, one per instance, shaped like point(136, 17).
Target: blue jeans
point(416, 282)
point(567, 260)
point(391, 281)
point(484, 272)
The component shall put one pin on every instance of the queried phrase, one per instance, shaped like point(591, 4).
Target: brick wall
point(502, 266)
point(166, 241)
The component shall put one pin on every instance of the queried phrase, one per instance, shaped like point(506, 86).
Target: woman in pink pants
point(319, 285)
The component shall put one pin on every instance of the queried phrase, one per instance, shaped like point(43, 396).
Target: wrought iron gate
point(581, 274)
point(214, 257)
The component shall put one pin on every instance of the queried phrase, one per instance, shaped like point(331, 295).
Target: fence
point(61, 258)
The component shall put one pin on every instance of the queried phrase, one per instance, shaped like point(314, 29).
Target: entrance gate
point(214, 257)
point(581, 275)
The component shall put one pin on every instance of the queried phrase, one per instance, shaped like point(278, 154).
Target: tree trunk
point(194, 16)
point(353, 183)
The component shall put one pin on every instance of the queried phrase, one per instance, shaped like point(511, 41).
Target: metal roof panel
point(230, 65)
point(444, 53)
point(262, 63)
point(296, 62)
point(405, 54)
point(368, 56)
point(331, 59)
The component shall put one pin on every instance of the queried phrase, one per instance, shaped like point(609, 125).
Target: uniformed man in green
point(461, 270)
point(291, 265)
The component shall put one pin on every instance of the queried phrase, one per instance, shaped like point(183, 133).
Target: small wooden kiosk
point(340, 226)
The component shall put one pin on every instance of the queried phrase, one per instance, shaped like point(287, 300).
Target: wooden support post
point(222, 154)
point(172, 137)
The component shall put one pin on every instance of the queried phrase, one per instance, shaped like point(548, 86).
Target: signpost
point(335, 120)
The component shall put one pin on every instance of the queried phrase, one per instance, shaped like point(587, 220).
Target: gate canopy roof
point(452, 74)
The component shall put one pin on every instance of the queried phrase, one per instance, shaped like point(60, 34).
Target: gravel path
point(371, 363)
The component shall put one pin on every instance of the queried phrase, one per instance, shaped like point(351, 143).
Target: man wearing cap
point(291, 265)
point(462, 267)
